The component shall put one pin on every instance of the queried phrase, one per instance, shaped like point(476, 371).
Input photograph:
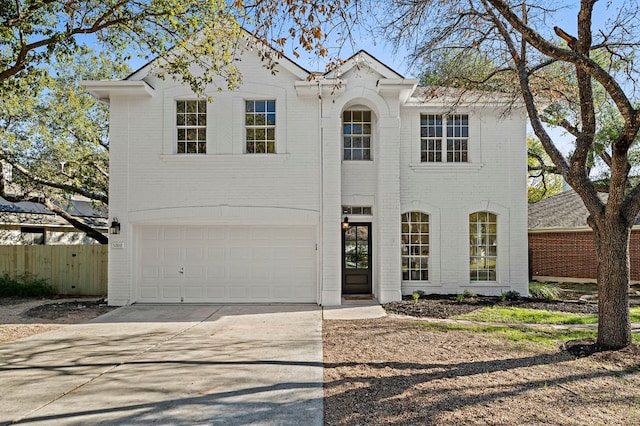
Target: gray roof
point(36, 214)
point(78, 208)
point(562, 211)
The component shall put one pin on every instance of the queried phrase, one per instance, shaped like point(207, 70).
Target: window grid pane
point(483, 246)
point(457, 138)
point(433, 142)
point(191, 126)
point(362, 210)
point(415, 246)
point(356, 133)
point(430, 138)
point(260, 127)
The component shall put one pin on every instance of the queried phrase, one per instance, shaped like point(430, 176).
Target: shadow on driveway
point(170, 364)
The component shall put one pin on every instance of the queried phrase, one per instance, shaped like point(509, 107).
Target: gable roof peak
point(362, 59)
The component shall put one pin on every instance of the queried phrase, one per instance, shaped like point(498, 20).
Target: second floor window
point(356, 133)
point(191, 124)
point(444, 138)
point(260, 127)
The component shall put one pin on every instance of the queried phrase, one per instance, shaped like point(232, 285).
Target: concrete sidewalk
point(171, 364)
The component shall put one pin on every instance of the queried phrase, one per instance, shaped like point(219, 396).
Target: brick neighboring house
point(246, 199)
point(561, 243)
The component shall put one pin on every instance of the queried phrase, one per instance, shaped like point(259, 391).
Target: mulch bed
point(63, 309)
point(439, 306)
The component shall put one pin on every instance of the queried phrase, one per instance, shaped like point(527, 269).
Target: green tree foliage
point(543, 179)
point(195, 39)
point(54, 136)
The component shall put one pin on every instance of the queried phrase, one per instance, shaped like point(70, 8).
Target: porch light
point(115, 226)
point(345, 223)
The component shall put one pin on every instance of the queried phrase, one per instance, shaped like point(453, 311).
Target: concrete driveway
point(177, 365)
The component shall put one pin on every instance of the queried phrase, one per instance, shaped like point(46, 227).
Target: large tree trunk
point(612, 253)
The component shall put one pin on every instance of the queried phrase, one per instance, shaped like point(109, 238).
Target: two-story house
point(292, 189)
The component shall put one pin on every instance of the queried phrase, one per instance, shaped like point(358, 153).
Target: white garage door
point(226, 264)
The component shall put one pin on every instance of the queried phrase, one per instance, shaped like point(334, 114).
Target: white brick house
point(243, 199)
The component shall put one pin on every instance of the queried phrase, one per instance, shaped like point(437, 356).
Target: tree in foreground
point(566, 74)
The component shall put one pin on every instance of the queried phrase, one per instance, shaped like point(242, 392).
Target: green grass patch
point(535, 316)
point(25, 286)
point(543, 336)
point(526, 316)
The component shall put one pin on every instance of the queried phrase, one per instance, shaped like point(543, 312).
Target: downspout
point(321, 221)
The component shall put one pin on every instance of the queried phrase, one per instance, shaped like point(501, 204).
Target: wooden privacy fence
point(74, 270)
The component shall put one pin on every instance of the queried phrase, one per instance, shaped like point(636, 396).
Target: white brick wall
point(306, 182)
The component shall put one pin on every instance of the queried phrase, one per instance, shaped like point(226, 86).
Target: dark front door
point(356, 259)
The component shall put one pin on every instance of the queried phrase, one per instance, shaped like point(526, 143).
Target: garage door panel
point(216, 293)
point(215, 273)
point(172, 233)
point(194, 234)
point(194, 272)
point(216, 233)
point(150, 272)
point(150, 233)
point(150, 293)
point(194, 254)
point(223, 264)
point(171, 273)
point(170, 253)
point(261, 234)
point(194, 293)
point(171, 293)
point(239, 234)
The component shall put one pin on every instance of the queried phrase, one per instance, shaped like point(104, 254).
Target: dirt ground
point(390, 371)
point(25, 317)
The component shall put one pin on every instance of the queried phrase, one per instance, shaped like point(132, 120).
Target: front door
point(356, 259)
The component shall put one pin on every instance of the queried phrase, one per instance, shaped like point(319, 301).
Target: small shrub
point(416, 296)
point(510, 295)
point(460, 298)
point(469, 294)
point(544, 291)
point(25, 286)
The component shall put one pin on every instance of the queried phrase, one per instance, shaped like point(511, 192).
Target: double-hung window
point(415, 246)
point(260, 126)
point(483, 246)
point(191, 124)
point(444, 138)
point(356, 134)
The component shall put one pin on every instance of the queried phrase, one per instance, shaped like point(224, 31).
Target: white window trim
point(428, 256)
point(435, 279)
point(186, 127)
point(474, 158)
point(504, 229)
point(372, 135)
point(487, 256)
point(245, 126)
point(170, 134)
